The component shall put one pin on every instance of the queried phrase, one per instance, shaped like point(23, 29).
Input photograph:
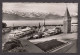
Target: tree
point(4, 25)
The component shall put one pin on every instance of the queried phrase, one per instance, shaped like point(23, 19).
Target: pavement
point(71, 36)
point(5, 37)
point(73, 48)
point(30, 47)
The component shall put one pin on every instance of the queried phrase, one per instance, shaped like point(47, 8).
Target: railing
point(60, 48)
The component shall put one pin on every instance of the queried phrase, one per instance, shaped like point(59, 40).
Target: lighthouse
point(67, 22)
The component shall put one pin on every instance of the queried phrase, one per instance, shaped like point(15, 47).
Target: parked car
point(16, 34)
point(53, 31)
point(57, 30)
point(45, 34)
point(35, 36)
point(6, 30)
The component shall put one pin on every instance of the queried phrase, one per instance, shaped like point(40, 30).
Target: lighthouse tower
point(67, 22)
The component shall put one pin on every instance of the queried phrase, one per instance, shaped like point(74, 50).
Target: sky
point(55, 8)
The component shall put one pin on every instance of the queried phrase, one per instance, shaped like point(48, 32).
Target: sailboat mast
point(39, 25)
point(13, 27)
point(44, 22)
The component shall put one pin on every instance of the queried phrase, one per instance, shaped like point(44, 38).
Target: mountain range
point(30, 16)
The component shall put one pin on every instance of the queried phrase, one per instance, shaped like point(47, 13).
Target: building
point(67, 22)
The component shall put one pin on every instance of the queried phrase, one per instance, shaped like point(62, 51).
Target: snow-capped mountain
point(12, 15)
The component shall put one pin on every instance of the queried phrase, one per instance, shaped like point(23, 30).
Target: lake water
point(34, 22)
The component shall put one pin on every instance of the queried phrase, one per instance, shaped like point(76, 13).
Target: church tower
point(67, 22)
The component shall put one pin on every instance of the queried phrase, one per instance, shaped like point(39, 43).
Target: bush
point(4, 25)
point(18, 49)
point(11, 45)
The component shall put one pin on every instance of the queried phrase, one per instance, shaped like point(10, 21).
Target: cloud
point(58, 8)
